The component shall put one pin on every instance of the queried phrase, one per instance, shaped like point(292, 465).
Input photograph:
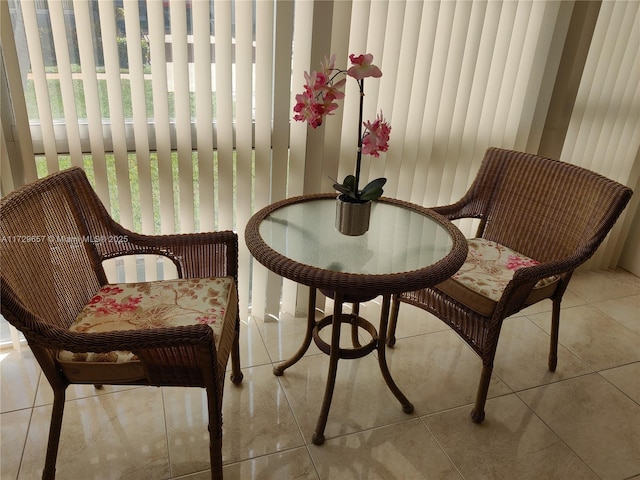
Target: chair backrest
point(544, 208)
point(49, 265)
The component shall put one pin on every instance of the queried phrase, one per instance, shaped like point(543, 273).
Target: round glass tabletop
point(399, 239)
point(407, 247)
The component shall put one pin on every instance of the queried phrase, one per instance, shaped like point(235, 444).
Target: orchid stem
point(359, 155)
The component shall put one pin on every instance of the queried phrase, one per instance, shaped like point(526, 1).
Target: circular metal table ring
point(357, 351)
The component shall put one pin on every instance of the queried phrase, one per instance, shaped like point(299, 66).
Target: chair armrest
point(196, 255)
point(535, 273)
point(460, 209)
point(525, 279)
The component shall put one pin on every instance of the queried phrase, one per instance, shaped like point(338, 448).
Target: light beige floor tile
point(186, 414)
point(361, 398)
point(438, 372)
point(13, 432)
point(252, 349)
point(602, 285)
point(20, 372)
point(257, 421)
point(626, 378)
point(596, 420)
point(412, 320)
point(597, 339)
point(625, 310)
point(523, 353)
point(283, 337)
point(511, 443)
point(292, 464)
point(257, 418)
point(404, 451)
point(116, 436)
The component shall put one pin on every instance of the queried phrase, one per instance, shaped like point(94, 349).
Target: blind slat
point(22, 167)
point(468, 104)
point(92, 100)
point(282, 118)
point(66, 82)
point(41, 86)
point(204, 114)
point(244, 140)
point(139, 109)
point(118, 134)
point(141, 136)
point(224, 119)
point(182, 100)
point(94, 114)
point(401, 96)
point(266, 285)
point(116, 111)
point(160, 89)
point(301, 62)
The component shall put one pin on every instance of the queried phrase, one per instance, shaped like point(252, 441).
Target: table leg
point(407, 406)
point(354, 325)
point(334, 356)
point(311, 322)
point(395, 309)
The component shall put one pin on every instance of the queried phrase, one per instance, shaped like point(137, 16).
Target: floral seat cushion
point(488, 269)
point(148, 305)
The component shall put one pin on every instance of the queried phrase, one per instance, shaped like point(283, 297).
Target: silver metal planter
point(352, 218)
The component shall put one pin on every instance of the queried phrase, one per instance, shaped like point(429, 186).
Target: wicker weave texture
point(355, 284)
point(551, 211)
point(55, 235)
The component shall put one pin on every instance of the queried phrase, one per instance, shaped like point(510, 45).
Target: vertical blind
point(180, 111)
point(604, 131)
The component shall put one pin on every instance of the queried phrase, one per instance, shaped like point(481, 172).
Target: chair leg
point(236, 373)
point(214, 405)
point(216, 458)
point(555, 327)
point(49, 472)
point(477, 414)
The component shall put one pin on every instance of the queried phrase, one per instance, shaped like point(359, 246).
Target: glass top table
point(407, 247)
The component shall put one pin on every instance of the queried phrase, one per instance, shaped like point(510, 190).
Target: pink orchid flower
point(376, 139)
point(329, 65)
point(321, 91)
point(308, 109)
point(362, 67)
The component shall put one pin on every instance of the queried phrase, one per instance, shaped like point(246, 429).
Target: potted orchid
point(318, 100)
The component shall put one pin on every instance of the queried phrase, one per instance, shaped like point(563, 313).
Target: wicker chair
point(55, 234)
point(539, 220)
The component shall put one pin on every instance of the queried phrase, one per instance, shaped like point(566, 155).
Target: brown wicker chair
point(551, 216)
point(55, 234)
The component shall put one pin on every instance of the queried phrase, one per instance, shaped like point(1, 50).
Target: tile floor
point(581, 422)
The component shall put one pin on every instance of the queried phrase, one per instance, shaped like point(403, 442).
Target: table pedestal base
point(378, 341)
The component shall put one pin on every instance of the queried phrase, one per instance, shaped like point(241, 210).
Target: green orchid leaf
point(377, 183)
point(348, 187)
point(371, 193)
point(373, 189)
point(349, 182)
point(342, 189)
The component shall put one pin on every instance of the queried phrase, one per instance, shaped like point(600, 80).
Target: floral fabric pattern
point(147, 305)
point(489, 267)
